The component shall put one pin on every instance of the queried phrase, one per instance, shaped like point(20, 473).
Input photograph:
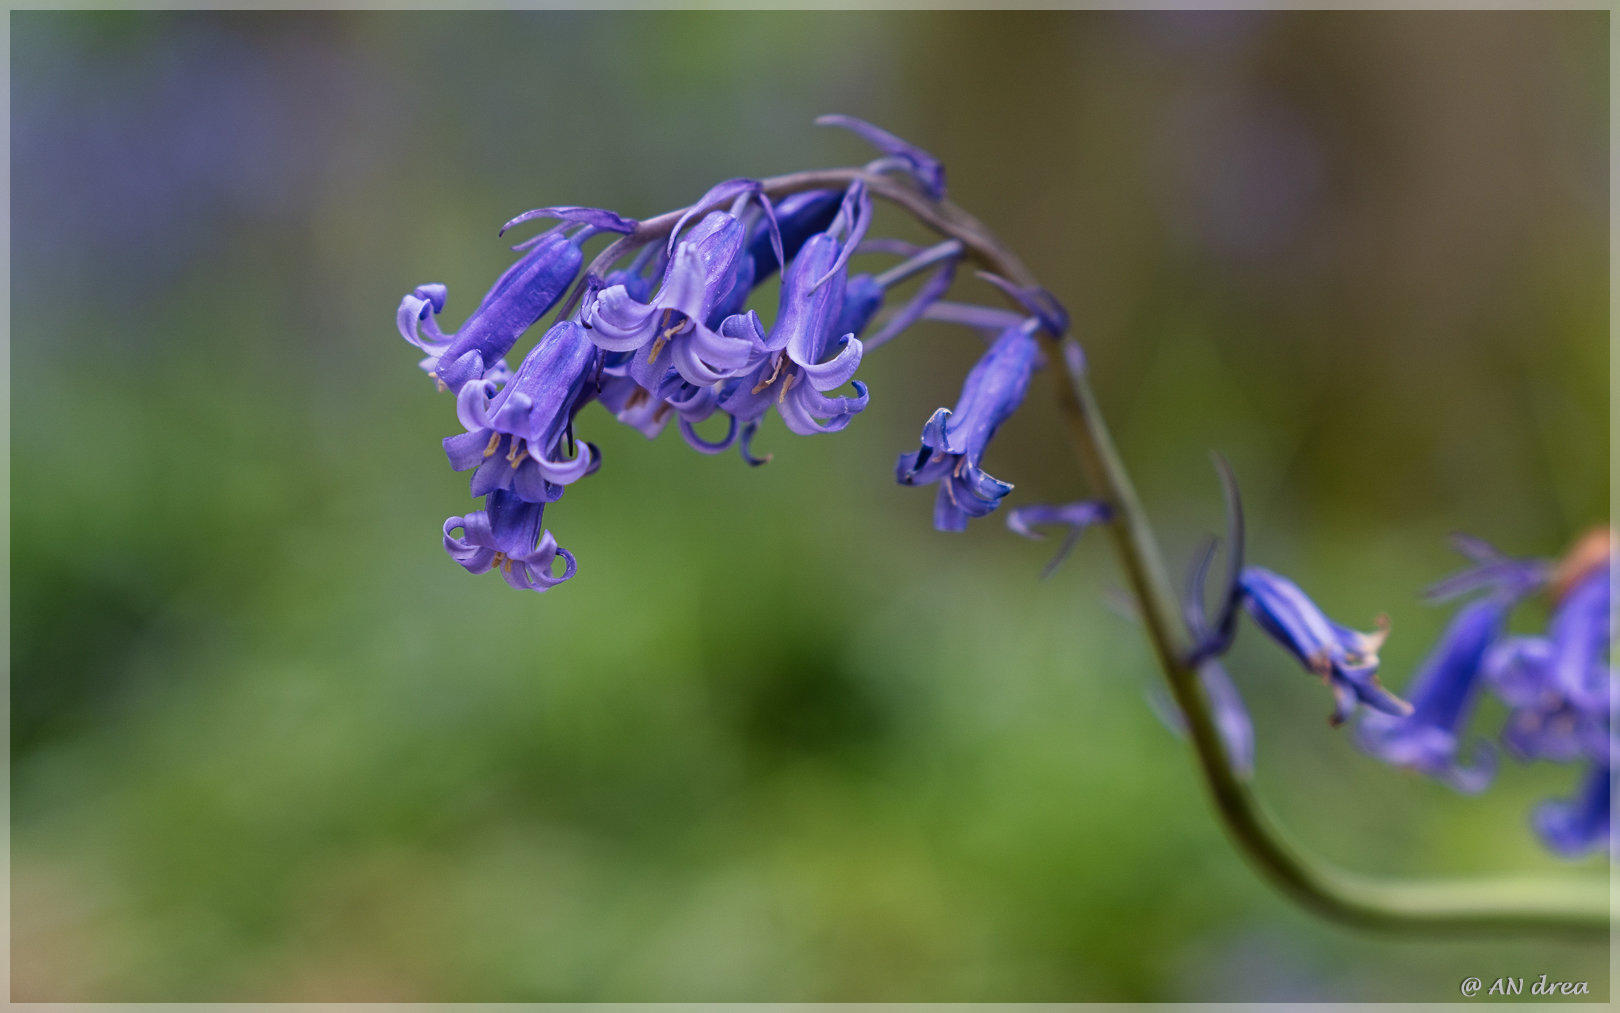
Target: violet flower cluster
point(660, 329)
point(1557, 685)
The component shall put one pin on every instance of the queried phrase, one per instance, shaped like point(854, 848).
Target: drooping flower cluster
point(659, 328)
point(1557, 685)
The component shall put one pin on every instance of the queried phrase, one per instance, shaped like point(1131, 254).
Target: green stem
point(1568, 905)
point(1572, 905)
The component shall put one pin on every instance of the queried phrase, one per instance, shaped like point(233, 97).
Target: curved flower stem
point(1570, 905)
point(1575, 905)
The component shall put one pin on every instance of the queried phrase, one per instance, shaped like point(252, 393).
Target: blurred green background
point(778, 740)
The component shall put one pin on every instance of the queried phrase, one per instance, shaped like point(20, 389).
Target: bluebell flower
point(672, 399)
point(1559, 685)
point(804, 355)
point(524, 293)
point(515, 439)
point(1543, 722)
point(634, 405)
point(628, 401)
point(792, 379)
point(1580, 634)
point(1442, 694)
point(1575, 826)
point(953, 442)
point(701, 275)
point(1345, 659)
point(646, 410)
point(508, 535)
point(739, 271)
point(692, 404)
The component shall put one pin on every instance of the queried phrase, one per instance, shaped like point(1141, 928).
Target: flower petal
point(838, 370)
point(467, 449)
point(803, 406)
point(1076, 516)
point(416, 314)
point(596, 218)
point(745, 444)
point(475, 548)
point(924, 167)
point(721, 193)
point(703, 446)
point(472, 405)
point(619, 323)
point(799, 216)
point(1572, 827)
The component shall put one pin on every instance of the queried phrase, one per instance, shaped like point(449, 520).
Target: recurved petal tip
point(927, 169)
point(597, 218)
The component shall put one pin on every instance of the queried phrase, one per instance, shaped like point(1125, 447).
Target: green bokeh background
point(778, 740)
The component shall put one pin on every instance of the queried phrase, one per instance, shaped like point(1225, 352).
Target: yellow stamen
point(669, 331)
point(776, 371)
point(517, 453)
point(494, 441)
point(1372, 642)
point(787, 385)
